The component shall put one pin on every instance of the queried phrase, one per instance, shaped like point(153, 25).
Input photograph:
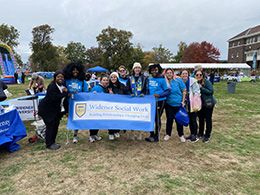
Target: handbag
point(182, 117)
point(195, 103)
point(209, 101)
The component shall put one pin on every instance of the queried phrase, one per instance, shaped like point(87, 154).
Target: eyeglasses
point(122, 70)
point(198, 75)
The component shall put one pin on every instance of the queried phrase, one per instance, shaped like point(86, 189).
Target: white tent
point(206, 65)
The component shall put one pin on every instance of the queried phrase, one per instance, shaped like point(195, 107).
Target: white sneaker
point(97, 138)
point(117, 135)
point(75, 139)
point(182, 139)
point(111, 137)
point(166, 137)
point(91, 139)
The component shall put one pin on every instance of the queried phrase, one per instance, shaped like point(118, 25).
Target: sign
point(110, 111)
point(12, 130)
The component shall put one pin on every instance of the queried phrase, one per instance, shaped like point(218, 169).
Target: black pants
point(205, 114)
point(159, 111)
point(170, 116)
point(51, 131)
point(93, 132)
point(193, 123)
point(112, 132)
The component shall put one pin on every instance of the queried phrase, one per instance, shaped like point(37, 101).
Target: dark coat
point(49, 106)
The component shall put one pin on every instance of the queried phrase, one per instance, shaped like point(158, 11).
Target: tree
point(45, 56)
point(94, 56)
point(149, 57)
point(9, 35)
point(76, 52)
point(182, 46)
point(162, 54)
point(116, 47)
point(63, 61)
point(203, 52)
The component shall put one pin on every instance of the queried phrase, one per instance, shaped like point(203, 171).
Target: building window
point(232, 56)
point(237, 55)
point(258, 38)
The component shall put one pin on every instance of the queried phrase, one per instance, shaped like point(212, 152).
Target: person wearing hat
point(52, 107)
point(137, 87)
point(37, 83)
point(158, 88)
point(137, 82)
point(123, 78)
point(115, 87)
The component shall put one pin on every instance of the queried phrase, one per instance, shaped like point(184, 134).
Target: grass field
point(229, 164)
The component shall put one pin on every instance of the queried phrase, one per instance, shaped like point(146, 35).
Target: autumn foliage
point(203, 52)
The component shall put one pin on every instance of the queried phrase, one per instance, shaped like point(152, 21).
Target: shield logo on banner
point(80, 109)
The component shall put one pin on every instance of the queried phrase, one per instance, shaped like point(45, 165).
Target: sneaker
point(97, 138)
point(182, 139)
point(151, 139)
point(200, 136)
point(206, 139)
point(54, 147)
point(117, 135)
point(75, 139)
point(111, 137)
point(192, 138)
point(166, 137)
point(91, 139)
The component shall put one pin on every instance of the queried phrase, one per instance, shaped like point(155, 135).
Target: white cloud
point(151, 21)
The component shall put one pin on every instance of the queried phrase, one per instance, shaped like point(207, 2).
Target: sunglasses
point(198, 75)
point(122, 70)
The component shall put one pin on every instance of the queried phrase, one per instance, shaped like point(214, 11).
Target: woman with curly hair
point(75, 83)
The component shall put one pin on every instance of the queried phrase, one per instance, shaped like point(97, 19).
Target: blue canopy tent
point(97, 69)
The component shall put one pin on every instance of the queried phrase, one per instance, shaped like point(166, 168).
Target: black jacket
point(144, 89)
point(49, 106)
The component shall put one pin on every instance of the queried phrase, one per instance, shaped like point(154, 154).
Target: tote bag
point(182, 117)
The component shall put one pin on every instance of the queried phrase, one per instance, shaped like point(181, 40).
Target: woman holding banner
point(115, 87)
point(174, 101)
point(75, 83)
point(52, 107)
point(102, 87)
point(157, 87)
point(137, 86)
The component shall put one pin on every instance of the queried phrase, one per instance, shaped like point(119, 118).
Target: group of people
point(171, 92)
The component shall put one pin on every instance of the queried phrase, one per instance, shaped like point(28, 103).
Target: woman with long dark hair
point(208, 103)
point(115, 87)
point(75, 82)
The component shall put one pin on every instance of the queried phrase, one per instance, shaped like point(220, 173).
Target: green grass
point(229, 164)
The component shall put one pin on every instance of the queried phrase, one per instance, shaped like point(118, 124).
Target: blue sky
point(152, 22)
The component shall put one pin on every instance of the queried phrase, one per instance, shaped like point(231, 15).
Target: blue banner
point(110, 111)
point(12, 130)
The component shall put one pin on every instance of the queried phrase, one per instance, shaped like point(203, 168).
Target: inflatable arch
point(7, 63)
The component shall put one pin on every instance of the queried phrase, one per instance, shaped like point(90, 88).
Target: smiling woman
point(52, 108)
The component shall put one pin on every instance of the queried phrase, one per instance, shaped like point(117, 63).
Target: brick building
point(243, 47)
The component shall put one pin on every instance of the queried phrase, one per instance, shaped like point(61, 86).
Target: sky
point(152, 22)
